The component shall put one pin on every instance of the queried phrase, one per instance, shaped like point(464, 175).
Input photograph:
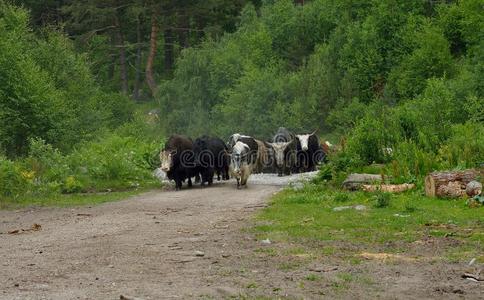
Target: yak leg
point(178, 184)
point(226, 173)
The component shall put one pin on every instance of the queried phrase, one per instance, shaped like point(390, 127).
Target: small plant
point(382, 200)
point(409, 206)
point(341, 197)
point(72, 185)
point(312, 277)
point(325, 174)
point(252, 285)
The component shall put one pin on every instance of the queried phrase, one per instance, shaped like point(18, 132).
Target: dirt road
point(155, 246)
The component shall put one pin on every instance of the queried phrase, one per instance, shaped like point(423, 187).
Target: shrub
point(72, 185)
point(113, 158)
point(410, 162)
point(464, 148)
point(371, 137)
point(13, 182)
point(341, 197)
point(46, 161)
point(409, 206)
point(382, 200)
point(346, 114)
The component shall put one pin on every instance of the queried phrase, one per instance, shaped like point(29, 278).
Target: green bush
point(47, 162)
point(411, 162)
point(382, 200)
point(371, 137)
point(341, 197)
point(13, 181)
point(113, 158)
point(72, 185)
point(47, 89)
point(464, 148)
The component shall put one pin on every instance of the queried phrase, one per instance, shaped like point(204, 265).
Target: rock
point(356, 207)
point(473, 188)
point(265, 242)
point(472, 261)
point(158, 173)
point(199, 253)
point(354, 181)
point(340, 208)
point(359, 207)
point(296, 186)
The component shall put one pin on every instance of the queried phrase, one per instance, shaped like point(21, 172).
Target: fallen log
point(354, 181)
point(388, 188)
point(451, 184)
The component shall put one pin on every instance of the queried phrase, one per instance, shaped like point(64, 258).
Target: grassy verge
point(68, 200)
point(306, 217)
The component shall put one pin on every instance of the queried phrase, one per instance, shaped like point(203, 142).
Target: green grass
point(60, 200)
point(408, 217)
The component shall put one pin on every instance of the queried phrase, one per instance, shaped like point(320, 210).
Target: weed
point(312, 277)
point(341, 197)
point(382, 200)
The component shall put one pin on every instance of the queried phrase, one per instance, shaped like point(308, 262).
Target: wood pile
point(453, 184)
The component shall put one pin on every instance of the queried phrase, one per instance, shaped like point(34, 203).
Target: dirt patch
point(145, 246)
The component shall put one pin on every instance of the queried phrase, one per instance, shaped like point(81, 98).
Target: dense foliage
point(399, 81)
point(47, 90)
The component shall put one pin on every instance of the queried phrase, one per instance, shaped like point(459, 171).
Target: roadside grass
point(69, 200)
point(306, 217)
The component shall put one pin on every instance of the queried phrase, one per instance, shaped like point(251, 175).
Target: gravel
point(273, 179)
point(295, 180)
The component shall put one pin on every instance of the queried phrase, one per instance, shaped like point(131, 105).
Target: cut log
point(450, 184)
point(389, 188)
point(354, 181)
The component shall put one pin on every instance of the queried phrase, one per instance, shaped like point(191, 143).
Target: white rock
point(340, 208)
point(158, 173)
point(359, 207)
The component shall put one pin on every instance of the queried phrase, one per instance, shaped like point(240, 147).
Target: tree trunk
point(169, 51)
point(123, 66)
point(150, 80)
point(388, 188)
point(112, 59)
point(184, 32)
point(450, 184)
point(137, 79)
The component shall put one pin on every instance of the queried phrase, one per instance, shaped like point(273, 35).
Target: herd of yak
point(183, 159)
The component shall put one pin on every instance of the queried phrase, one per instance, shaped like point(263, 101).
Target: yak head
point(167, 159)
point(279, 152)
point(304, 140)
point(239, 153)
